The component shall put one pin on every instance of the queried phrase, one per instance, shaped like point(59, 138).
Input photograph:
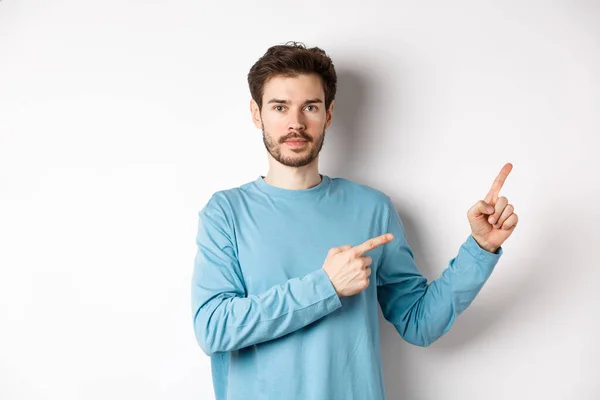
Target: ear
point(329, 114)
point(255, 112)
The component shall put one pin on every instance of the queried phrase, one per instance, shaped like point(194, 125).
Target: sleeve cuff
point(476, 262)
point(325, 288)
point(476, 251)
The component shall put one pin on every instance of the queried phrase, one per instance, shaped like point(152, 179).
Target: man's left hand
point(492, 219)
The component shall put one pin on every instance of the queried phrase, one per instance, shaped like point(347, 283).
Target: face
point(293, 118)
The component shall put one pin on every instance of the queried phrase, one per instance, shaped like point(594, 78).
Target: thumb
point(481, 208)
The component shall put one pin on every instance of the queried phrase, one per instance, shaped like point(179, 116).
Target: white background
point(119, 119)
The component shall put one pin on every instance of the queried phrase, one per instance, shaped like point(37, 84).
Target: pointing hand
point(492, 219)
point(348, 268)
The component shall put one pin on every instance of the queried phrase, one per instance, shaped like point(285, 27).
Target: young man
point(290, 268)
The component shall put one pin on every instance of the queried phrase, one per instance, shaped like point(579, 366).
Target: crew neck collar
point(290, 193)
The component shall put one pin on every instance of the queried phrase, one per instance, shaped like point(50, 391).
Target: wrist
point(485, 246)
point(332, 283)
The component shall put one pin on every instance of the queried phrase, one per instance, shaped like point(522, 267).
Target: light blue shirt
point(267, 314)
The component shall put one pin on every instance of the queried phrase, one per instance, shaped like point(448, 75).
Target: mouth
point(295, 143)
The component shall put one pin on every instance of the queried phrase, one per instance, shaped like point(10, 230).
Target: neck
point(294, 178)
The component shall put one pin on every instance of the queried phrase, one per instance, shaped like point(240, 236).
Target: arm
point(423, 312)
point(225, 318)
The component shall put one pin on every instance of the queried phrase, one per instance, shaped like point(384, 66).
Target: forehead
point(300, 87)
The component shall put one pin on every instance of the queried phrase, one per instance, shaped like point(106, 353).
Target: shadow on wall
point(542, 272)
point(343, 150)
point(356, 90)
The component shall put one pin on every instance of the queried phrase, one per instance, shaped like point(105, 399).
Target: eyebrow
point(309, 101)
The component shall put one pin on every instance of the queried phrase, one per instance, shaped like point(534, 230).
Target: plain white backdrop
point(119, 119)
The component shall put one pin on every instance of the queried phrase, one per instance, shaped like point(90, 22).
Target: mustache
point(296, 135)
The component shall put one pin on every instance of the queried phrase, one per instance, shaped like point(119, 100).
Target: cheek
point(315, 121)
point(273, 122)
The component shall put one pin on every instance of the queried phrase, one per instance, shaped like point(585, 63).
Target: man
point(290, 268)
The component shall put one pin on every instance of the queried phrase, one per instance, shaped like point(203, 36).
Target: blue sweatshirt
point(267, 314)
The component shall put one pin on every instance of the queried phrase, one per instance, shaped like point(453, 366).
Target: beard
point(304, 156)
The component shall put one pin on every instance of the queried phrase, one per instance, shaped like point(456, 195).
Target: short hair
point(290, 60)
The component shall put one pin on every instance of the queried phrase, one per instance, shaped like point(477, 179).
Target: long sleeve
point(423, 312)
point(226, 318)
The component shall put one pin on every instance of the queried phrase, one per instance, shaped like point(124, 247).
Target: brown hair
point(292, 59)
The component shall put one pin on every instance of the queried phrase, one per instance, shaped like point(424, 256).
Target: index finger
point(373, 244)
point(492, 195)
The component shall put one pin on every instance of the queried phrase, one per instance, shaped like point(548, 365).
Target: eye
point(314, 108)
point(278, 108)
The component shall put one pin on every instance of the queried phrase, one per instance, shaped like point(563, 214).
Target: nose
point(296, 121)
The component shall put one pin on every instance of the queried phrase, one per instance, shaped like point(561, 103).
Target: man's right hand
point(347, 267)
